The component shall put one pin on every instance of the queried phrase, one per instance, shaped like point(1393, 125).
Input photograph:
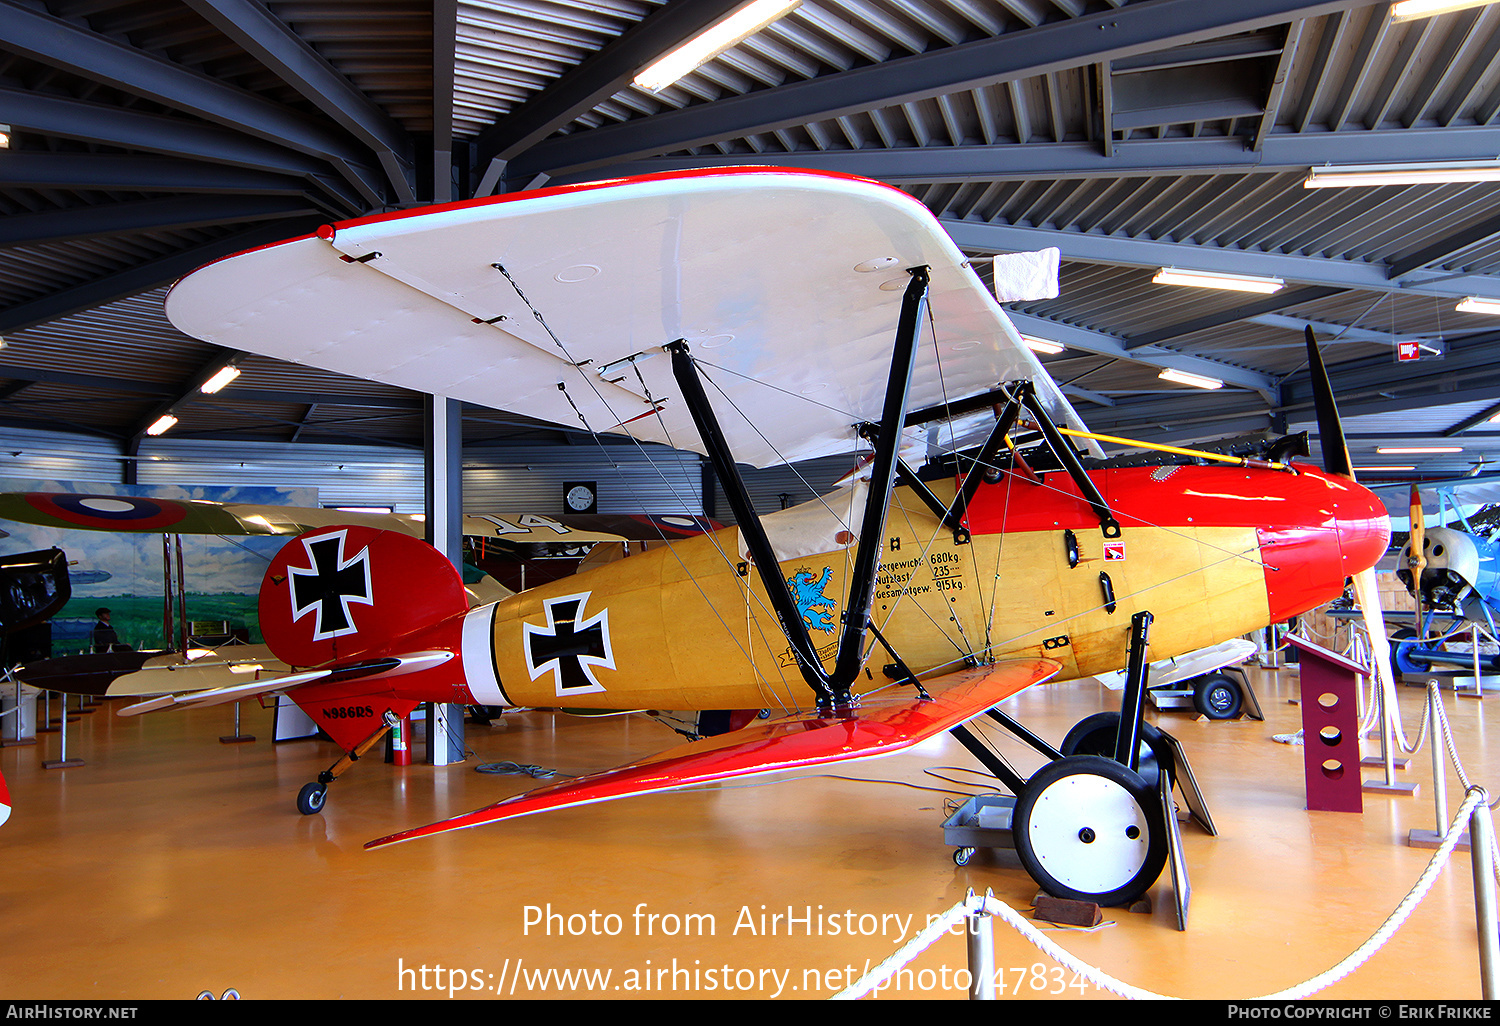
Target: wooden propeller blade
point(1416, 554)
point(1330, 428)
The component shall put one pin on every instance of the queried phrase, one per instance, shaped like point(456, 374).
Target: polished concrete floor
point(170, 864)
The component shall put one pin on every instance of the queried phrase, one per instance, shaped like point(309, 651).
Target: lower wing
point(368, 669)
point(792, 743)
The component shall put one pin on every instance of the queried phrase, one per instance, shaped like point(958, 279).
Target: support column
point(443, 489)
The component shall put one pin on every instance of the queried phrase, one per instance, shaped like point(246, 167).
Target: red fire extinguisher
point(400, 742)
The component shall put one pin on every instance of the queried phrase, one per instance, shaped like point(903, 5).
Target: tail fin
point(4, 801)
point(343, 593)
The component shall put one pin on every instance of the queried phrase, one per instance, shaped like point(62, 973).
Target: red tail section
point(342, 593)
point(367, 604)
point(4, 801)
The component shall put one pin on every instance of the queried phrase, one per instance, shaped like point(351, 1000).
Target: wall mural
point(123, 571)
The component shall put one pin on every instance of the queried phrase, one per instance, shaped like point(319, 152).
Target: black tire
point(1088, 829)
point(962, 856)
point(311, 798)
point(1095, 735)
point(1218, 696)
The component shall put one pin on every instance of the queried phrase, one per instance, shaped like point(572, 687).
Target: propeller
point(1335, 449)
point(1416, 554)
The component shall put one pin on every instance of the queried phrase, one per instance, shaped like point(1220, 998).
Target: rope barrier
point(989, 905)
point(1474, 807)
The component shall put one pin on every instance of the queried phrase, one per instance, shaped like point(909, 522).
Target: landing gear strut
point(1089, 825)
point(311, 798)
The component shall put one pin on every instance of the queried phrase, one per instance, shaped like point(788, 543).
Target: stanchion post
point(980, 937)
point(1439, 767)
point(1482, 837)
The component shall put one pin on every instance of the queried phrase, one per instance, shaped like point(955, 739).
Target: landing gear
point(1090, 829)
point(1090, 824)
point(1095, 735)
point(310, 799)
point(1218, 696)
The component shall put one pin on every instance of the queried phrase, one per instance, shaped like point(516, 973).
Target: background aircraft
point(1452, 571)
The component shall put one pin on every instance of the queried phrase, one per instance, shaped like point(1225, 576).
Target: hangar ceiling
point(148, 137)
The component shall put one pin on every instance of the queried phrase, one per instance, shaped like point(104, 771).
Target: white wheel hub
point(1089, 833)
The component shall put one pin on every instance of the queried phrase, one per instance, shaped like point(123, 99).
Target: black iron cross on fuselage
point(568, 645)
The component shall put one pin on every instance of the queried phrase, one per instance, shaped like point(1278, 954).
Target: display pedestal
point(1330, 728)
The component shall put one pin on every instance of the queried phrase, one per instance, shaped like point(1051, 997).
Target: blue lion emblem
point(807, 592)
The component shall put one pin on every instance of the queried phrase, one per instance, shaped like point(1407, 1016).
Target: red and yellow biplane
point(762, 316)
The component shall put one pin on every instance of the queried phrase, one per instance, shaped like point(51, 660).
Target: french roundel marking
point(117, 512)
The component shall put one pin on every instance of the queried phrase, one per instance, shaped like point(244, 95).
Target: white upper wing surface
point(786, 285)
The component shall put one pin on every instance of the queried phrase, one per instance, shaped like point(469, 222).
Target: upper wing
point(554, 304)
point(791, 743)
point(151, 515)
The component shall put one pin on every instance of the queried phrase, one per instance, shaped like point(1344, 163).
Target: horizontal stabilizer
point(371, 669)
point(882, 727)
point(218, 696)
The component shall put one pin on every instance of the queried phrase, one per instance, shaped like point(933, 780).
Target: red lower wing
point(796, 742)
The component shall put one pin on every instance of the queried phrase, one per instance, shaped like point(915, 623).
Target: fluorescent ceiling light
point(1332, 177)
point(1042, 345)
point(162, 425)
point(1215, 280)
point(711, 42)
point(1377, 469)
point(1184, 378)
point(1411, 10)
point(1396, 450)
point(219, 380)
point(1478, 304)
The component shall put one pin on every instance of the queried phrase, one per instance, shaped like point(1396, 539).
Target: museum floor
point(170, 864)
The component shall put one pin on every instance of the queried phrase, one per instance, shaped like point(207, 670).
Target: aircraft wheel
point(311, 798)
point(1403, 640)
point(1095, 735)
point(1089, 829)
point(1218, 696)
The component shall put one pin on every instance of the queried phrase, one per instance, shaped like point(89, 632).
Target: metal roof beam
point(134, 280)
point(1139, 28)
point(1283, 153)
point(180, 395)
point(42, 169)
point(600, 76)
point(177, 137)
point(1101, 344)
point(69, 47)
point(1444, 248)
point(270, 41)
point(144, 216)
point(444, 55)
point(1126, 252)
point(1270, 304)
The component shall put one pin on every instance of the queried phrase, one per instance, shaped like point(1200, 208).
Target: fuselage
point(1212, 552)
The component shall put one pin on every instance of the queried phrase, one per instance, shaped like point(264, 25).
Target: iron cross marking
point(329, 585)
point(569, 645)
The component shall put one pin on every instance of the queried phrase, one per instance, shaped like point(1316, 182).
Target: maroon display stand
point(1330, 728)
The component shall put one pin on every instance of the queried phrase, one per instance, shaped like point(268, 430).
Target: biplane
point(1452, 571)
point(767, 316)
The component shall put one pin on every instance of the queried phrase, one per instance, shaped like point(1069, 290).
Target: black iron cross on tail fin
point(329, 585)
